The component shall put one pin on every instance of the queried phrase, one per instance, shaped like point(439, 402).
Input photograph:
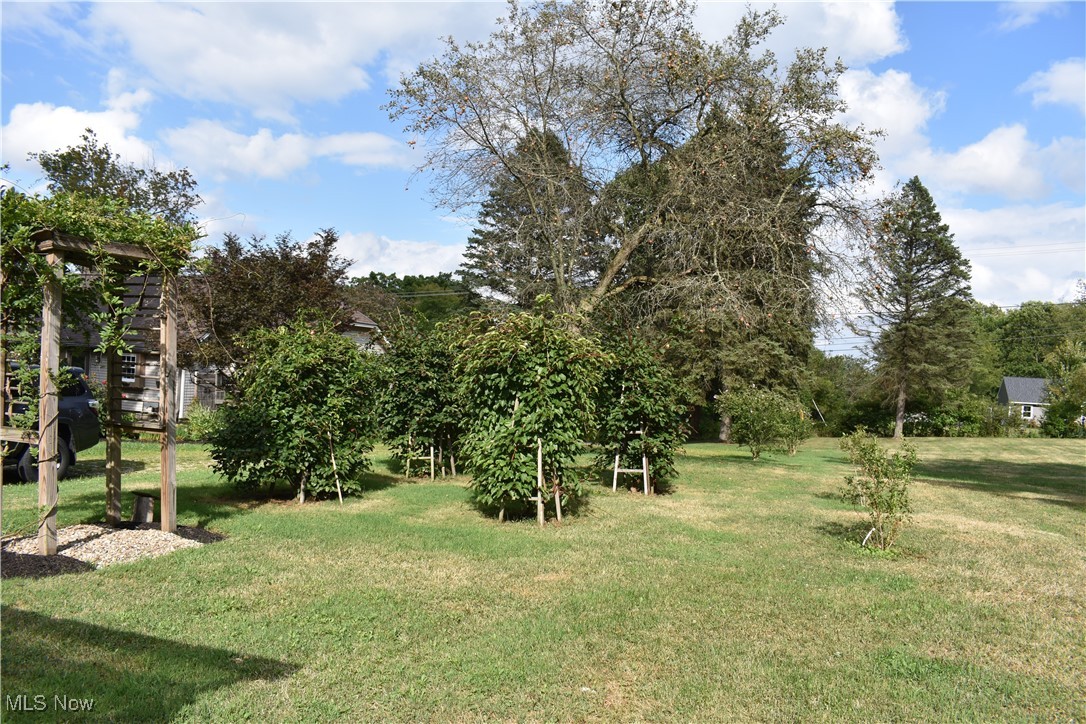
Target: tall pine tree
point(537, 233)
point(918, 299)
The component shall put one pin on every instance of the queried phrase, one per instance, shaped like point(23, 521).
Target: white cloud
point(858, 33)
point(34, 127)
point(371, 252)
point(1063, 83)
point(1065, 160)
point(268, 56)
point(212, 148)
point(1017, 15)
point(893, 103)
point(1022, 252)
point(1005, 162)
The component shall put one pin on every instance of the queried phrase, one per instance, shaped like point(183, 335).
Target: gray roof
point(1028, 390)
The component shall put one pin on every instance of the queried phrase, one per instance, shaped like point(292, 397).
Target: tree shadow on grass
point(1054, 483)
point(209, 503)
point(853, 531)
point(129, 676)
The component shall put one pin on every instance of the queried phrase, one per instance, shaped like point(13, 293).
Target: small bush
point(303, 413)
point(638, 393)
point(882, 485)
point(199, 425)
point(765, 420)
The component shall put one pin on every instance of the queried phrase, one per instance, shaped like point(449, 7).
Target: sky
point(276, 110)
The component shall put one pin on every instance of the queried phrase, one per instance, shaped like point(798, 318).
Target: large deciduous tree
point(917, 299)
point(663, 132)
point(240, 287)
point(94, 169)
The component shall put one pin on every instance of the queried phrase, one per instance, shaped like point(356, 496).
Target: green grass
point(742, 595)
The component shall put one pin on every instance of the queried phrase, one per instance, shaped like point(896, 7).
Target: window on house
point(220, 388)
point(128, 368)
point(1027, 411)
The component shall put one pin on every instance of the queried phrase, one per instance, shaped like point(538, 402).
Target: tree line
point(702, 200)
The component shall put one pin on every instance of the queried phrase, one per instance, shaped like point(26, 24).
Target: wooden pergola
point(60, 249)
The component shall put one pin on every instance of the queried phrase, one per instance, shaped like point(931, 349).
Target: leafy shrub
point(528, 377)
point(199, 425)
point(418, 406)
point(639, 393)
point(1066, 413)
point(765, 420)
point(882, 485)
point(303, 412)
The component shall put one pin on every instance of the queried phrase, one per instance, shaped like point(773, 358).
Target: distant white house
point(364, 332)
point(1026, 397)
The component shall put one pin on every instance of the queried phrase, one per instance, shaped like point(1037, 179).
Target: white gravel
point(96, 545)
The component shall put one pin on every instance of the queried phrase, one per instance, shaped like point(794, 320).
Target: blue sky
point(276, 108)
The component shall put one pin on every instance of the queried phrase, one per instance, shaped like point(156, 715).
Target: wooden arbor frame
point(59, 249)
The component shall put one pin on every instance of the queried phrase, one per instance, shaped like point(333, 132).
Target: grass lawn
point(742, 595)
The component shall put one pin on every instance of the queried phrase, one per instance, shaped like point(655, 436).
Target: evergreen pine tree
point(917, 297)
point(536, 234)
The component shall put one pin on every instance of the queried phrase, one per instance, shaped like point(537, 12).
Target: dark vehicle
point(79, 429)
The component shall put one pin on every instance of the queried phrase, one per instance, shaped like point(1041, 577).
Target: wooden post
point(614, 481)
point(539, 512)
point(48, 423)
point(431, 463)
point(645, 470)
point(167, 403)
point(113, 445)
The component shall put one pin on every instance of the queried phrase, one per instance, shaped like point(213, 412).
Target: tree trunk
point(725, 428)
point(899, 421)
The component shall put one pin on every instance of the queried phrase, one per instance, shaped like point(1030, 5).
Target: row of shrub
point(500, 397)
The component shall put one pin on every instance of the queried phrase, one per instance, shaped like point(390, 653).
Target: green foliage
point(303, 412)
point(426, 299)
point(200, 424)
point(94, 299)
point(765, 420)
point(637, 132)
point(95, 170)
point(882, 485)
point(418, 405)
point(1066, 366)
point(239, 287)
point(525, 378)
point(840, 387)
point(638, 393)
point(917, 299)
point(537, 231)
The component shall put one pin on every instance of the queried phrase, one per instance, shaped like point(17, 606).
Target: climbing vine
point(92, 298)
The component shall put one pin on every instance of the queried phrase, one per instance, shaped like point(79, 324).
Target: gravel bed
point(85, 547)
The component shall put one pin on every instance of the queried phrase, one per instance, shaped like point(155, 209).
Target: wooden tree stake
point(539, 513)
point(335, 471)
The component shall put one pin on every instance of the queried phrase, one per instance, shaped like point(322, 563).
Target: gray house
point(1027, 397)
point(205, 386)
